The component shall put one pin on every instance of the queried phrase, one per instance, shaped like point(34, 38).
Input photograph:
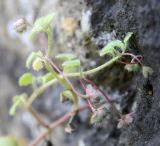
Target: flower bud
point(37, 64)
point(20, 25)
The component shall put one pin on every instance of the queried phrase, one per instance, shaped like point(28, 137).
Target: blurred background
point(14, 49)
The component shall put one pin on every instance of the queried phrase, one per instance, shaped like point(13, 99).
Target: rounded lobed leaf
point(41, 24)
point(132, 67)
point(25, 79)
point(32, 56)
point(65, 56)
point(47, 77)
point(30, 59)
point(37, 64)
point(71, 63)
point(146, 71)
point(110, 47)
point(108, 51)
point(71, 66)
point(17, 102)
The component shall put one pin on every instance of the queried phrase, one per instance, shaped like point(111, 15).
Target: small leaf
point(66, 56)
point(8, 141)
point(146, 71)
point(71, 63)
point(66, 95)
point(48, 77)
point(108, 51)
point(37, 64)
point(44, 21)
point(17, 102)
point(41, 25)
point(34, 31)
point(110, 47)
point(132, 67)
point(39, 54)
point(71, 69)
point(71, 66)
point(69, 95)
point(30, 59)
point(25, 79)
point(127, 37)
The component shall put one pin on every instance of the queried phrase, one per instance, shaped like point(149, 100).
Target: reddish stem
point(104, 94)
point(67, 80)
point(134, 57)
point(88, 100)
point(54, 125)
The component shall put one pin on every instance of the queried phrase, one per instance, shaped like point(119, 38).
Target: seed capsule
point(20, 25)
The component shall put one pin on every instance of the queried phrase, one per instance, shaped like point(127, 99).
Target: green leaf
point(8, 141)
point(30, 59)
point(66, 95)
point(48, 77)
point(41, 24)
point(66, 56)
point(44, 21)
point(132, 67)
point(17, 102)
point(71, 66)
point(32, 56)
point(146, 71)
point(37, 64)
point(25, 79)
point(108, 51)
point(71, 63)
point(110, 47)
point(127, 37)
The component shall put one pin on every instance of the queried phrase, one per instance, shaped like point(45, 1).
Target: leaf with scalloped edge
point(65, 56)
point(17, 102)
point(146, 71)
point(110, 47)
point(47, 77)
point(41, 24)
point(26, 79)
point(132, 67)
point(71, 66)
